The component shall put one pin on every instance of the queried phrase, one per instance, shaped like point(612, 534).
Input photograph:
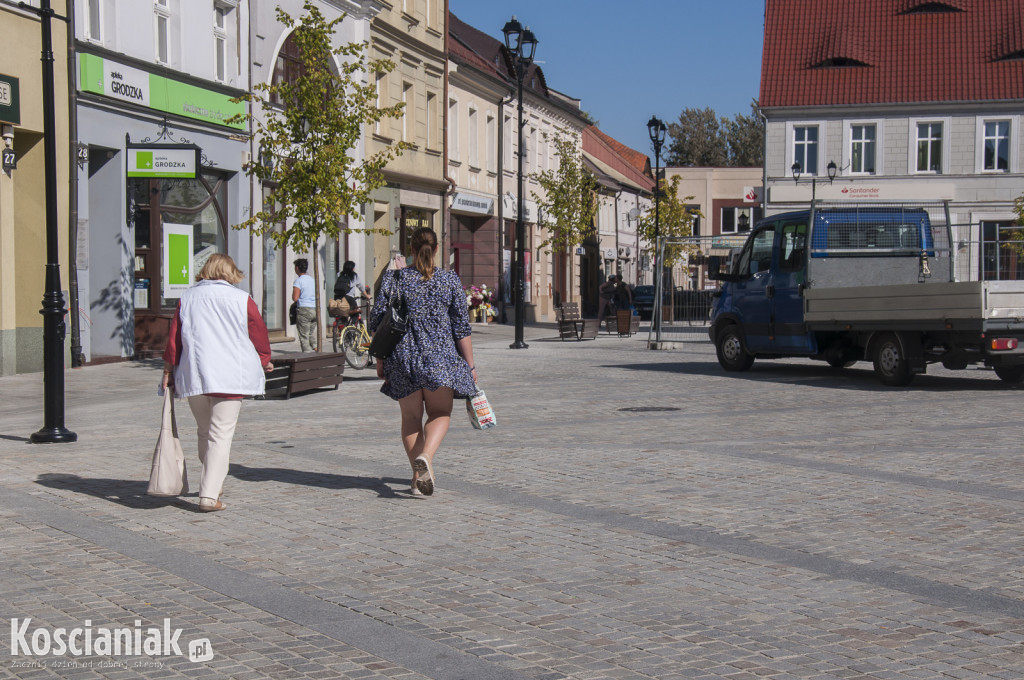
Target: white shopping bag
point(168, 476)
point(481, 415)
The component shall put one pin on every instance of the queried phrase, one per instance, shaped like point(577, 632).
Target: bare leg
point(412, 426)
point(419, 438)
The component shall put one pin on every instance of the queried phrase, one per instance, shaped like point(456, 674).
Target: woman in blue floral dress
point(433, 363)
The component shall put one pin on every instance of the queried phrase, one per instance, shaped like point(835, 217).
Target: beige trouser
point(215, 424)
point(306, 328)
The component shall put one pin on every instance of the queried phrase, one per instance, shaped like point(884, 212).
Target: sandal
point(421, 465)
point(210, 505)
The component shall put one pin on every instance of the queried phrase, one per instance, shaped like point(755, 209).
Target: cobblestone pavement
point(636, 514)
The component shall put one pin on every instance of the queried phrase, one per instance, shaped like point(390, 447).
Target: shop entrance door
point(153, 203)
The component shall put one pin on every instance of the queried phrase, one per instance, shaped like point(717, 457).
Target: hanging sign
point(163, 160)
point(10, 103)
point(178, 261)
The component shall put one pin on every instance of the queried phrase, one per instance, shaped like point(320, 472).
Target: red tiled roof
point(639, 161)
point(617, 156)
point(835, 52)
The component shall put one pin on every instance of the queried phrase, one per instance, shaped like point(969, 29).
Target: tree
point(569, 202)
point(311, 125)
point(675, 220)
point(745, 138)
point(1016, 244)
point(697, 140)
point(702, 139)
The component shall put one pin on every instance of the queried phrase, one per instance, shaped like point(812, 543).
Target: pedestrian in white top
point(304, 294)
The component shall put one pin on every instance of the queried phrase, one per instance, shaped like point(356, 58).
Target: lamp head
point(795, 169)
point(656, 130)
point(527, 45)
point(513, 31)
point(832, 169)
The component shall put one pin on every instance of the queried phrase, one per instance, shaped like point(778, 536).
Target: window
point(93, 21)
point(492, 144)
point(757, 253)
point(805, 148)
point(739, 219)
point(162, 29)
point(929, 147)
point(220, 42)
point(431, 120)
point(408, 124)
point(793, 247)
point(694, 209)
point(508, 143)
point(474, 141)
point(862, 149)
point(453, 129)
point(996, 146)
point(381, 95)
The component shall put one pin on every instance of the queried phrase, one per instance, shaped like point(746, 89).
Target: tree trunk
point(316, 279)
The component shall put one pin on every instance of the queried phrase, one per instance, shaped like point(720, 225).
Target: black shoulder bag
point(392, 327)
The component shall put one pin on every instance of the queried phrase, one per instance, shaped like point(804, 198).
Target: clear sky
point(628, 60)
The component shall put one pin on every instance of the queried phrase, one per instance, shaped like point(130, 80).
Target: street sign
point(10, 160)
point(10, 101)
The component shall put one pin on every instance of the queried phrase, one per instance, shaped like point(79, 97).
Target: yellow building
point(411, 34)
point(23, 187)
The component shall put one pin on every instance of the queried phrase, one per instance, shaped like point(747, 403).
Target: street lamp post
point(796, 169)
point(656, 129)
point(53, 311)
point(521, 45)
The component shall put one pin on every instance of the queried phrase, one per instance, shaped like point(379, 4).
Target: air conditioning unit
point(622, 251)
point(629, 251)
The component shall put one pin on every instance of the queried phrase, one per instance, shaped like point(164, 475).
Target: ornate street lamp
point(656, 129)
point(521, 44)
point(53, 430)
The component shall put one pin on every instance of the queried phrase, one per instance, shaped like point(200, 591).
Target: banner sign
point(128, 84)
point(163, 160)
point(10, 100)
point(478, 205)
point(178, 260)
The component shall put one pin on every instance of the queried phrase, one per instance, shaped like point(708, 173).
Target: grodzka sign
point(178, 161)
point(125, 83)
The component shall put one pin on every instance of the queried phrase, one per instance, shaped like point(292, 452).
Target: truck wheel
point(891, 367)
point(729, 347)
point(1010, 374)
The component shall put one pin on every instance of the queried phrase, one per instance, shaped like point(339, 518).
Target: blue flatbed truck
point(878, 284)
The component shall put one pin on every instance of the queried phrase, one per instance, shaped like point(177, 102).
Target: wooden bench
point(572, 325)
point(296, 373)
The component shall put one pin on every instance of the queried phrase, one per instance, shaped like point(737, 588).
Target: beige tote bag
point(168, 476)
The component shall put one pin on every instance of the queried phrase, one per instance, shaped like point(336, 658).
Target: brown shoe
point(422, 467)
point(210, 505)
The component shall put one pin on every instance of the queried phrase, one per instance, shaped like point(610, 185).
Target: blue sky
point(629, 60)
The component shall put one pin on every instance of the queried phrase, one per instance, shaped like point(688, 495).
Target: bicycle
point(350, 335)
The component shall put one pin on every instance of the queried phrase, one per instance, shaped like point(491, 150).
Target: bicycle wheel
point(336, 338)
point(356, 355)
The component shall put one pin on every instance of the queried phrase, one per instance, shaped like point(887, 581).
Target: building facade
point(23, 196)
point(411, 34)
point(159, 175)
point(898, 100)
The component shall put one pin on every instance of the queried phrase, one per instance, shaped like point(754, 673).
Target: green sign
point(179, 259)
point(125, 83)
point(10, 101)
point(180, 161)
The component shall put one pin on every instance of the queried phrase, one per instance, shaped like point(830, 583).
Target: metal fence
point(685, 290)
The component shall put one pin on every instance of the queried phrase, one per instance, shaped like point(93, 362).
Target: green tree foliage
point(312, 133)
point(1016, 244)
point(697, 140)
point(675, 220)
point(701, 139)
point(745, 137)
point(569, 202)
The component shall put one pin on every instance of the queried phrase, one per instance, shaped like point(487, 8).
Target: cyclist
point(348, 285)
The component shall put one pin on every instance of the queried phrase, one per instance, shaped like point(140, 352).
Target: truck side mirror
point(714, 267)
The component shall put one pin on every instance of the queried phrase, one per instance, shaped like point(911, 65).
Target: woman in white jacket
point(217, 351)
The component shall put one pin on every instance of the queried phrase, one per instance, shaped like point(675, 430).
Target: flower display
point(482, 300)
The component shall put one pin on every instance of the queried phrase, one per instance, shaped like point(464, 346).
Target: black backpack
point(343, 285)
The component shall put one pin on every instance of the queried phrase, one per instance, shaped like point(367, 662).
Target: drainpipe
point(252, 154)
point(446, 193)
point(77, 358)
point(764, 167)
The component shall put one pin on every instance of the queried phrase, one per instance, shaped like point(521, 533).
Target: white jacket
point(217, 356)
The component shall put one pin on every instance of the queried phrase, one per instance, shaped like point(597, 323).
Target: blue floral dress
point(426, 357)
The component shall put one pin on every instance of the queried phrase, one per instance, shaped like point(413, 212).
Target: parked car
point(643, 300)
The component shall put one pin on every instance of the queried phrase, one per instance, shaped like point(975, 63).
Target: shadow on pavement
point(320, 479)
point(130, 493)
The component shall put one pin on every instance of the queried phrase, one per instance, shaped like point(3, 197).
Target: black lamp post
point(521, 45)
point(53, 311)
point(656, 129)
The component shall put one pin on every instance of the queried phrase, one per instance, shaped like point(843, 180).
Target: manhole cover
point(648, 409)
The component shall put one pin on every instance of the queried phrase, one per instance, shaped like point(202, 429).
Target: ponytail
point(424, 245)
